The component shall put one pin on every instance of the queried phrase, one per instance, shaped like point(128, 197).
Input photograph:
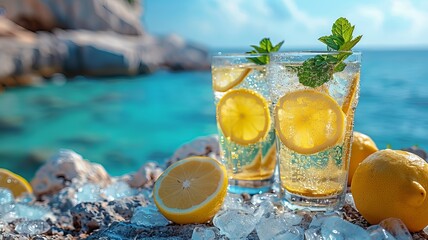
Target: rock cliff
point(85, 37)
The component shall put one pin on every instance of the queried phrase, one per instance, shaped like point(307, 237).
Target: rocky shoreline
point(39, 39)
point(77, 199)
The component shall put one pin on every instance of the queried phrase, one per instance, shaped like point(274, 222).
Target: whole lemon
point(392, 183)
point(362, 147)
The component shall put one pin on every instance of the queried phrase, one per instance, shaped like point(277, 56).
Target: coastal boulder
point(145, 176)
point(120, 16)
point(202, 146)
point(64, 168)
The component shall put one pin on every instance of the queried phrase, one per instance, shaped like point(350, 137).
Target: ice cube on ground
point(118, 190)
point(379, 233)
point(149, 216)
point(259, 198)
point(3, 225)
point(26, 198)
point(313, 233)
point(32, 227)
point(233, 201)
point(349, 199)
point(12, 211)
point(292, 233)
point(31, 212)
point(88, 193)
point(397, 228)
point(292, 219)
point(6, 196)
point(8, 212)
point(279, 226)
point(318, 219)
point(333, 227)
point(204, 233)
point(265, 208)
point(235, 223)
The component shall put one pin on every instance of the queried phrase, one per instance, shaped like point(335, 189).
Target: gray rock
point(93, 38)
point(63, 169)
point(88, 216)
point(145, 176)
point(94, 15)
point(202, 146)
point(126, 230)
point(81, 52)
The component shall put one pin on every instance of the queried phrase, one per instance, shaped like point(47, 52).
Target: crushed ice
point(265, 216)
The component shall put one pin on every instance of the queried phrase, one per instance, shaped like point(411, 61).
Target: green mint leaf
point(339, 67)
point(265, 47)
point(331, 44)
point(277, 47)
point(347, 46)
point(266, 44)
point(258, 49)
point(343, 28)
point(320, 69)
point(315, 72)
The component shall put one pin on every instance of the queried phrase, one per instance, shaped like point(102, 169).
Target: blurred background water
point(124, 122)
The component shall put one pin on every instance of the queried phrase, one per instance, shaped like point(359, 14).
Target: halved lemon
point(226, 78)
point(191, 190)
point(15, 183)
point(243, 116)
point(308, 121)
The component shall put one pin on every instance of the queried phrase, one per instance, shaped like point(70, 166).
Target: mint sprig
point(265, 47)
point(320, 69)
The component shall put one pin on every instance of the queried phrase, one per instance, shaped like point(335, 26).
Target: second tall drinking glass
point(243, 111)
point(315, 95)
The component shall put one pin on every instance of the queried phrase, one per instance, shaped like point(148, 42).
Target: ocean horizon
point(124, 122)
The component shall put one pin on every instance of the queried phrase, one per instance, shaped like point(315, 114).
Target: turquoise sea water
point(124, 122)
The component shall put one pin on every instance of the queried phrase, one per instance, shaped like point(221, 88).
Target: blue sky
point(239, 23)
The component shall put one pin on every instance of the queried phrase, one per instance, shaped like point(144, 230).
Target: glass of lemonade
point(245, 126)
point(314, 102)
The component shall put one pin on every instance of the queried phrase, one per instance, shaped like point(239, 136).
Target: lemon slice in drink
point(308, 121)
point(227, 78)
point(243, 116)
point(191, 190)
point(352, 94)
point(260, 168)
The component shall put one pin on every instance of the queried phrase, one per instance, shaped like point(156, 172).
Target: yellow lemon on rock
point(191, 190)
point(15, 183)
point(392, 183)
point(362, 147)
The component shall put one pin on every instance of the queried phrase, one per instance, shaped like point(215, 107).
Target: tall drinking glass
point(315, 96)
point(245, 126)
